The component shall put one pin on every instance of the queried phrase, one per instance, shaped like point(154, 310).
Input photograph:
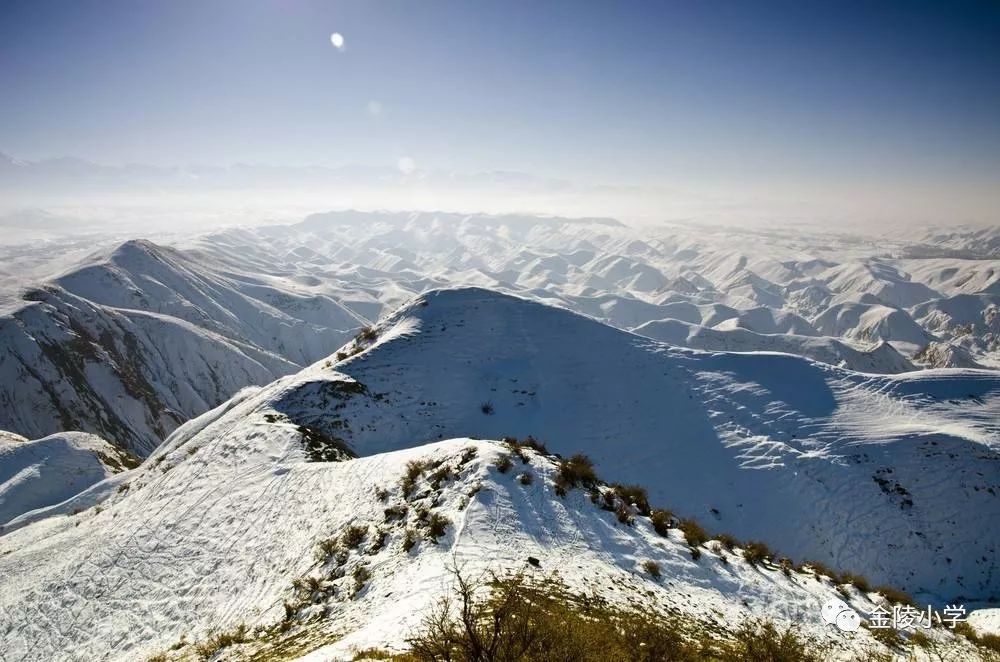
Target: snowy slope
point(132, 377)
point(888, 473)
point(871, 321)
point(882, 475)
point(969, 323)
point(250, 308)
point(981, 242)
point(216, 528)
point(878, 278)
point(43, 472)
point(768, 321)
point(881, 359)
point(139, 340)
point(214, 313)
point(621, 276)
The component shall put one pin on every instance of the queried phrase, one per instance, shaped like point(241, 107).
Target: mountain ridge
point(775, 426)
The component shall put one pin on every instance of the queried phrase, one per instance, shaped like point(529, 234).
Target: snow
point(880, 358)
point(134, 344)
point(43, 472)
point(209, 539)
point(891, 475)
point(243, 306)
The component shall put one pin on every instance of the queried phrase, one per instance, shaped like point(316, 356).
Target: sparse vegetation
point(860, 582)
point(503, 463)
point(367, 334)
point(440, 475)
point(436, 525)
point(633, 495)
point(918, 638)
point(410, 538)
point(373, 654)
point(624, 514)
point(526, 478)
point(327, 548)
point(221, 641)
point(378, 541)
point(361, 576)
point(895, 595)
point(486, 408)
point(468, 455)
point(353, 535)
point(536, 622)
point(819, 568)
point(395, 512)
point(662, 520)
point(577, 471)
point(727, 541)
point(652, 568)
point(535, 445)
point(756, 552)
point(518, 447)
point(518, 451)
point(693, 533)
point(887, 636)
point(989, 644)
point(762, 641)
point(409, 480)
point(963, 628)
point(786, 566)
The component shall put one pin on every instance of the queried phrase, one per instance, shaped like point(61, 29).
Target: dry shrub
point(514, 619)
point(693, 532)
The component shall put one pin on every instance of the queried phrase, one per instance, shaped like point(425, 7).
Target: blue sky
point(795, 99)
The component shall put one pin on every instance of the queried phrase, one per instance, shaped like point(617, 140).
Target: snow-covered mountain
point(135, 342)
point(137, 339)
point(731, 437)
point(881, 358)
point(228, 527)
point(43, 472)
point(889, 476)
point(774, 281)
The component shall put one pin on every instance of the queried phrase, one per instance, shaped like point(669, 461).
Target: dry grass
point(536, 622)
point(693, 532)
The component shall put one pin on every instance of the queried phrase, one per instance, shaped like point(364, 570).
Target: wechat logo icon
point(836, 612)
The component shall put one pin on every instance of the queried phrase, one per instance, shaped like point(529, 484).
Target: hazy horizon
point(881, 112)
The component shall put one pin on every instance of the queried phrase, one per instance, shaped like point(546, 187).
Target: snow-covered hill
point(892, 477)
point(887, 472)
point(138, 338)
point(776, 281)
point(880, 359)
point(133, 343)
point(870, 321)
point(229, 525)
point(43, 472)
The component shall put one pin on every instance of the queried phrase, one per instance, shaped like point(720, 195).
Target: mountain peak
point(473, 362)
